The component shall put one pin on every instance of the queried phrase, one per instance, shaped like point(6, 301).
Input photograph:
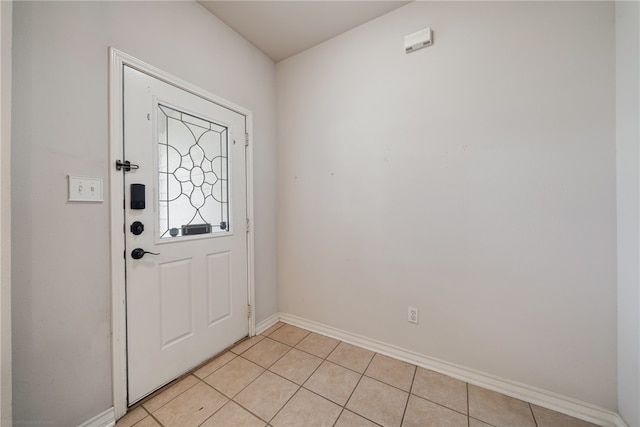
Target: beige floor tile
point(440, 389)
point(375, 399)
point(318, 345)
point(266, 395)
point(289, 335)
point(391, 371)
point(349, 419)
point(498, 409)
point(132, 417)
point(350, 356)
point(246, 344)
point(214, 365)
point(234, 376)
point(308, 410)
point(266, 352)
point(296, 366)
point(170, 393)
point(192, 407)
point(477, 423)
point(378, 402)
point(233, 415)
point(422, 413)
point(272, 328)
point(148, 422)
point(548, 418)
point(333, 382)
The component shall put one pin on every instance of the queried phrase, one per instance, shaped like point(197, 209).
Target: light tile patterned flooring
point(288, 376)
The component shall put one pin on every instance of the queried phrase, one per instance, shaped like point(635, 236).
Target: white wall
point(61, 300)
point(474, 179)
point(628, 192)
point(5, 212)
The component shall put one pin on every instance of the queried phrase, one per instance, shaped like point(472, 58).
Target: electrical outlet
point(413, 315)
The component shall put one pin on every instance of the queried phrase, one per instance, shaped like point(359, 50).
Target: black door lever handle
point(138, 253)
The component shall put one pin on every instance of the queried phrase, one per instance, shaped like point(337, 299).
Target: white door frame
point(117, 60)
point(6, 417)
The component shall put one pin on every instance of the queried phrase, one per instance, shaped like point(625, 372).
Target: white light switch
point(85, 189)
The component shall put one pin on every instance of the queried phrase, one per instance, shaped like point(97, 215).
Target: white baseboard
point(267, 323)
point(104, 419)
point(544, 398)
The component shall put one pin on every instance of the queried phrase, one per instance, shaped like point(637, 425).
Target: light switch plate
point(85, 189)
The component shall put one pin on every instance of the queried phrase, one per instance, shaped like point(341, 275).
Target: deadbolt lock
point(137, 228)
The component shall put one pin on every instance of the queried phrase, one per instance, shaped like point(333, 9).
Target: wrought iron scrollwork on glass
point(193, 166)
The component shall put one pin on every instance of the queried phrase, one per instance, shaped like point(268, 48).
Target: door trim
point(117, 60)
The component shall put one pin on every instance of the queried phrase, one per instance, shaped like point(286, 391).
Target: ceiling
point(283, 28)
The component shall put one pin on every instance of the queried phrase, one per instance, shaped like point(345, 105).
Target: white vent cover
point(418, 40)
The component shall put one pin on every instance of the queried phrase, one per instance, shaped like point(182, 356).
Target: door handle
point(138, 253)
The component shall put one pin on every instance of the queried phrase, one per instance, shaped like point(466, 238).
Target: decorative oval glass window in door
point(193, 163)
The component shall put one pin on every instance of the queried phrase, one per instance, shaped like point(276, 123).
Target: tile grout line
point(358, 383)
point(438, 404)
point(347, 368)
point(246, 349)
point(318, 367)
point(270, 366)
point(339, 415)
point(248, 410)
point(231, 399)
point(397, 388)
point(466, 388)
point(406, 405)
point(160, 391)
point(250, 382)
point(220, 408)
point(220, 367)
point(149, 414)
point(469, 411)
point(297, 342)
point(156, 420)
point(301, 386)
point(285, 403)
point(361, 375)
point(262, 373)
point(320, 357)
point(323, 359)
point(264, 334)
point(275, 361)
point(532, 414)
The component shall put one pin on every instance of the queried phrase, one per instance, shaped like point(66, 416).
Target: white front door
point(185, 226)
